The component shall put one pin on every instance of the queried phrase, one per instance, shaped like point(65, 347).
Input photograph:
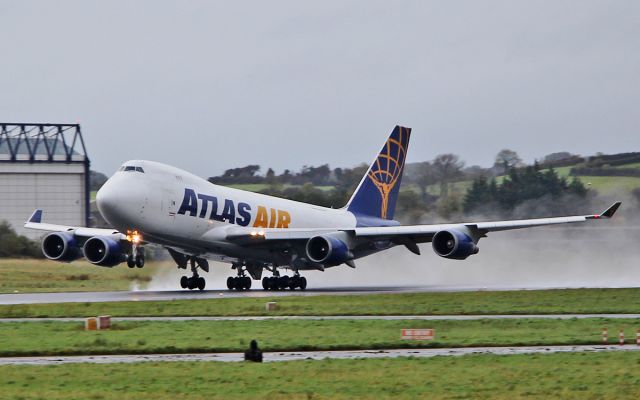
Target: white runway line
point(311, 355)
point(340, 317)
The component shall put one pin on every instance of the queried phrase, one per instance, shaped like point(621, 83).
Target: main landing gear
point(195, 281)
point(240, 282)
point(136, 258)
point(284, 282)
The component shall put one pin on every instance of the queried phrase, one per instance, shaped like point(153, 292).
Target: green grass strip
point(69, 338)
point(550, 376)
point(575, 301)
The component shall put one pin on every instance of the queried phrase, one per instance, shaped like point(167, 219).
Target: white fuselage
point(177, 209)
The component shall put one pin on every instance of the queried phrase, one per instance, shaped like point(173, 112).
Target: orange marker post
point(605, 335)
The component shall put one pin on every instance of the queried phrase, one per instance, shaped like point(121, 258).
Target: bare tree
point(447, 168)
point(507, 159)
point(425, 176)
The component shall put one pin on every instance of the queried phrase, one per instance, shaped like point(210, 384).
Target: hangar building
point(43, 166)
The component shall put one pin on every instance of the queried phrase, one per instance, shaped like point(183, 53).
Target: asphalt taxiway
point(310, 355)
point(340, 317)
point(144, 295)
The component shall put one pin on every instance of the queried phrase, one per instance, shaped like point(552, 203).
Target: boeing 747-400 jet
point(196, 221)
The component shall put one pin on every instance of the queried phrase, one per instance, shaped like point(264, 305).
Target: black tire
point(294, 282)
point(131, 263)
point(231, 283)
point(193, 283)
point(184, 282)
point(303, 283)
point(201, 283)
point(266, 285)
point(247, 283)
point(139, 260)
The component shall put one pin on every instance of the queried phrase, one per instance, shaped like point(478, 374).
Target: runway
point(166, 295)
point(339, 317)
point(311, 355)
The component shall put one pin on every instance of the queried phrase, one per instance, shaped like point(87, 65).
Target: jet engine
point(104, 251)
point(61, 246)
point(327, 250)
point(453, 244)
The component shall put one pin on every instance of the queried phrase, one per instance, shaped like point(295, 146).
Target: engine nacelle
point(103, 251)
point(61, 246)
point(453, 244)
point(327, 250)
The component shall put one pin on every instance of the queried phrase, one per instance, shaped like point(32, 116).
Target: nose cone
point(121, 200)
point(107, 199)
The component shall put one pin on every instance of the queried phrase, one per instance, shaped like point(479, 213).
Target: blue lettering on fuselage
point(240, 215)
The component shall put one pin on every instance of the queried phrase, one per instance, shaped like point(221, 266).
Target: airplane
point(196, 221)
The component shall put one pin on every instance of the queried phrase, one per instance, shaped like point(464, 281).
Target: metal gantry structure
point(45, 143)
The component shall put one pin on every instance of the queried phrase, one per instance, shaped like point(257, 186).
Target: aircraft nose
point(120, 200)
point(108, 198)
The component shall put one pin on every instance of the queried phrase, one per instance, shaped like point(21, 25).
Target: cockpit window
point(131, 168)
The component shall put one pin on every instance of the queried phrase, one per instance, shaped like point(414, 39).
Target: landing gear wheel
point(184, 282)
point(294, 282)
point(230, 283)
point(192, 283)
point(139, 260)
point(201, 283)
point(266, 283)
point(131, 262)
point(302, 283)
point(246, 283)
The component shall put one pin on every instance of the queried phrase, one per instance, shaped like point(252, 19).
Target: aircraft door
point(169, 206)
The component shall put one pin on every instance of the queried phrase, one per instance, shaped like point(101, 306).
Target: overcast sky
point(208, 86)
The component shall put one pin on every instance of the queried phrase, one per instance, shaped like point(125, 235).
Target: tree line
point(429, 188)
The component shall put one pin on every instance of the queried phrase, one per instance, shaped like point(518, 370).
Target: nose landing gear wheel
point(139, 260)
point(131, 262)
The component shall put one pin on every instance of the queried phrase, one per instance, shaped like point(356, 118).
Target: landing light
point(134, 236)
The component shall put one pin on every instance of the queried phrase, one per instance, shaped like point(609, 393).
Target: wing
point(35, 222)
point(409, 234)
point(424, 233)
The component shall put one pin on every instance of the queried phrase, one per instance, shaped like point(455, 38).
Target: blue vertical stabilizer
point(376, 195)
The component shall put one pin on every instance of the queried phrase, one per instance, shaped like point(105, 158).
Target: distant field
point(27, 275)
point(610, 185)
point(633, 165)
point(551, 376)
point(69, 338)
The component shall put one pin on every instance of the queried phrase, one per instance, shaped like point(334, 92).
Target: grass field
point(68, 338)
point(587, 301)
point(550, 376)
point(47, 276)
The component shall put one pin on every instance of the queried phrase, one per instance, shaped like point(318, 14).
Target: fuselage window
point(129, 168)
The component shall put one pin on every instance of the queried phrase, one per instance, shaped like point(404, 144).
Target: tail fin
point(377, 193)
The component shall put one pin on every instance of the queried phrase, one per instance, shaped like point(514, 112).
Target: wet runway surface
point(340, 317)
point(90, 297)
point(311, 355)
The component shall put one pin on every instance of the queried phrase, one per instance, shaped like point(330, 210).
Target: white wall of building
point(58, 189)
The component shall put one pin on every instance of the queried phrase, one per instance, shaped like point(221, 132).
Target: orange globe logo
point(387, 169)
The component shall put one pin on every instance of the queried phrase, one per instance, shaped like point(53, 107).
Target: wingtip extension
point(608, 213)
point(36, 217)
